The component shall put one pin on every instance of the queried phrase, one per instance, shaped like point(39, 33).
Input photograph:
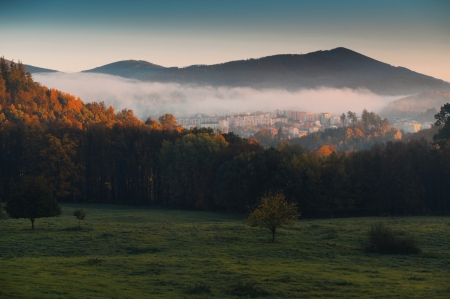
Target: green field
point(130, 252)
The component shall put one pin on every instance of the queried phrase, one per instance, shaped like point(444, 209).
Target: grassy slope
point(147, 253)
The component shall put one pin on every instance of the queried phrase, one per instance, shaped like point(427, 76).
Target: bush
point(383, 240)
point(94, 261)
point(80, 215)
point(198, 289)
point(142, 250)
point(249, 289)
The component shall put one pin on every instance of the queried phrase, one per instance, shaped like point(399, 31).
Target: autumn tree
point(4, 69)
point(32, 199)
point(169, 122)
point(2, 86)
point(152, 124)
point(272, 212)
point(58, 165)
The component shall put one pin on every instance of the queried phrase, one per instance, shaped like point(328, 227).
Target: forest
point(89, 153)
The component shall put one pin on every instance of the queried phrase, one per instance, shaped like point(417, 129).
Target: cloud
point(155, 99)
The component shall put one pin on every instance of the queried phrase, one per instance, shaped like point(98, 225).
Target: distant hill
point(427, 134)
point(417, 105)
point(427, 116)
point(34, 69)
point(337, 68)
point(134, 69)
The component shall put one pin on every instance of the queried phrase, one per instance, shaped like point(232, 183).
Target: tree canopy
point(32, 199)
point(273, 212)
point(443, 122)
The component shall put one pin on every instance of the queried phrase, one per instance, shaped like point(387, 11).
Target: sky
point(71, 36)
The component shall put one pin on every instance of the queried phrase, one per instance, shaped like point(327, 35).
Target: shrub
point(383, 240)
point(142, 250)
point(249, 289)
point(94, 261)
point(80, 215)
point(198, 289)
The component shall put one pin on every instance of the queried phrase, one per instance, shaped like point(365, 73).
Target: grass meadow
point(135, 252)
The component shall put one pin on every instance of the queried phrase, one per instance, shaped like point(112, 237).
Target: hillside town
point(293, 124)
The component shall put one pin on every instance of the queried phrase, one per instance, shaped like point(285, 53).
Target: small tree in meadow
point(32, 199)
point(80, 214)
point(273, 212)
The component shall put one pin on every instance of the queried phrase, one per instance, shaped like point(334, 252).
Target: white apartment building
point(408, 127)
point(254, 120)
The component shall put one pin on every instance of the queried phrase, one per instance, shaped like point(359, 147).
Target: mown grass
point(129, 252)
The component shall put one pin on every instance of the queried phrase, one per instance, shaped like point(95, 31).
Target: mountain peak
point(134, 69)
point(129, 63)
point(336, 68)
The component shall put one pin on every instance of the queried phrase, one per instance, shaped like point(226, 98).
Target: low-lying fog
point(155, 99)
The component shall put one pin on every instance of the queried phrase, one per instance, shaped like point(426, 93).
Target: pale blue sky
point(76, 35)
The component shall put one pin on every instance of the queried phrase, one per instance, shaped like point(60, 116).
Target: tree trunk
point(273, 235)
point(32, 223)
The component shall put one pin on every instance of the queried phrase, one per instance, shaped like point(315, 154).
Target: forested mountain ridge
point(25, 102)
point(34, 69)
point(336, 68)
point(133, 69)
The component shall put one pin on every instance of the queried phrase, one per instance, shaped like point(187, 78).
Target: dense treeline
point(89, 153)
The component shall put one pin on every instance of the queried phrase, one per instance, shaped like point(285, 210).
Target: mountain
point(417, 105)
point(134, 69)
point(34, 69)
point(337, 68)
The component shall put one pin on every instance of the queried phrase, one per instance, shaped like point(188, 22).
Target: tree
point(442, 121)
point(152, 124)
point(58, 166)
point(272, 212)
point(169, 122)
point(343, 119)
point(80, 214)
point(352, 117)
point(187, 168)
point(2, 86)
point(32, 199)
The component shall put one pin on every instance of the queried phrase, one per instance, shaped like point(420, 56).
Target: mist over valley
point(333, 81)
point(154, 99)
